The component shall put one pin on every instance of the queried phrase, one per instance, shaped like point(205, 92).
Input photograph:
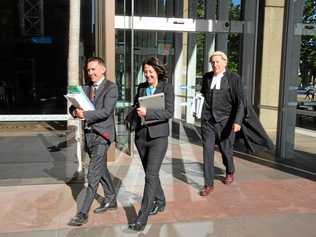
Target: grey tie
point(93, 93)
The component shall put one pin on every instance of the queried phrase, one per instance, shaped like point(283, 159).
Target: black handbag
point(131, 118)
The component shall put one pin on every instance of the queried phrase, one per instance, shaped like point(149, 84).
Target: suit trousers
point(152, 152)
point(97, 171)
point(223, 134)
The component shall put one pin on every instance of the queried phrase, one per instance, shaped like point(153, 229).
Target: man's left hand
point(80, 113)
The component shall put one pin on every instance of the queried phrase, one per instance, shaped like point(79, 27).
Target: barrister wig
point(219, 53)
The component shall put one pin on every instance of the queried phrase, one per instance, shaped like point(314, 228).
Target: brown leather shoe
point(206, 190)
point(229, 179)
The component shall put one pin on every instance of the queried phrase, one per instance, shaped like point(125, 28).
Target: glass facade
point(188, 56)
point(128, 76)
point(299, 116)
point(185, 52)
point(34, 52)
point(37, 146)
point(182, 34)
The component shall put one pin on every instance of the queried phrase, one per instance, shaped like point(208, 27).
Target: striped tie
point(93, 93)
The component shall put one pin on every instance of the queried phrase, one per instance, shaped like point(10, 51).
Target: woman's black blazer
point(160, 128)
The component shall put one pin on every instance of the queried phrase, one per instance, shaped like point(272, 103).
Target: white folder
point(78, 98)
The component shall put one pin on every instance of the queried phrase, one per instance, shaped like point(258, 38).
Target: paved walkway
point(264, 201)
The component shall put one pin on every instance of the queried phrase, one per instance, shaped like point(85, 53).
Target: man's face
point(218, 64)
point(95, 71)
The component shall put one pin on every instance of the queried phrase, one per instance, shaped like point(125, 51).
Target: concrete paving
point(265, 200)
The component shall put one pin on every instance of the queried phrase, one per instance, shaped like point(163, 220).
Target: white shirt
point(97, 83)
point(216, 81)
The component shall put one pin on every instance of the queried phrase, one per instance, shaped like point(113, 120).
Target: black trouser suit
point(152, 152)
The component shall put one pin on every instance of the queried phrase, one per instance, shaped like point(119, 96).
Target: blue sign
point(42, 40)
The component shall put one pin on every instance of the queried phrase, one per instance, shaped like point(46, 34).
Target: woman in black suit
point(152, 140)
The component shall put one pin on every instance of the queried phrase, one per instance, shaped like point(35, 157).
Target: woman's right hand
point(141, 111)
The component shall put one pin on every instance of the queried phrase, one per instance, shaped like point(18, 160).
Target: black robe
point(252, 137)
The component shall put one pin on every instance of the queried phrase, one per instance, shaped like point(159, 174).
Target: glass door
point(298, 125)
point(182, 36)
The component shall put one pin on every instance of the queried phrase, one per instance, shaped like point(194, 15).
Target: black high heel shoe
point(137, 226)
point(157, 208)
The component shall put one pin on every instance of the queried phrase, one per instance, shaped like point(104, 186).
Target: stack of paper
point(78, 98)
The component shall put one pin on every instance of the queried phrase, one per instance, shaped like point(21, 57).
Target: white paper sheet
point(78, 98)
point(198, 102)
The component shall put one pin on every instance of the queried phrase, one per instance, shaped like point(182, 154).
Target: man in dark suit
point(222, 117)
point(99, 133)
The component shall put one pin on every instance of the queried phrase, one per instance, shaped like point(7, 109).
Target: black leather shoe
point(106, 206)
point(78, 219)
point(157, 208)
point(137, 226)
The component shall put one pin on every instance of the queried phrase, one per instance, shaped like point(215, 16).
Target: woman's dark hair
point(159, 68)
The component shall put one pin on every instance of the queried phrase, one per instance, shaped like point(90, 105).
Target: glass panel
point(234, 52)
point(166, 8)
point(123, 80)
point(235, 10)
point(200, 44)
point(146, 44)
point(184, 53)
point(161, 8)
point(33, 65)
point(305, 132)
point(172, 8)
point(299, 125)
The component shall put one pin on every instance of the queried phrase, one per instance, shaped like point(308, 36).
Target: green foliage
point(200, 12)
point(200, 39)
point(234, 41)
point(308, 45)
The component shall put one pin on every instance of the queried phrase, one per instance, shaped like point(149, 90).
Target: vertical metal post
point(21, 17)
point(191, 66)
point(132, 74)
point(289, 73)
point(73, 66)
point(250, 12)
point(223, 15)
point(42, 17)
point(210, 13)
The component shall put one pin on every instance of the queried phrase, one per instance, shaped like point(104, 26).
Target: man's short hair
point(219, 53)
point(95, 59)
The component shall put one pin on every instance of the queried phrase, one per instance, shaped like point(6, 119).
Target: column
point(223, 15)
point(271, 65)
point(105, 44)
point(191, 70)
point(210, 13)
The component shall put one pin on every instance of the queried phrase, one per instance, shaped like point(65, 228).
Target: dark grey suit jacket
point(101, 120)
point(159, 128)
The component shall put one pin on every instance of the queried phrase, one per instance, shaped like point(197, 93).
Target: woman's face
point(150, 75)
